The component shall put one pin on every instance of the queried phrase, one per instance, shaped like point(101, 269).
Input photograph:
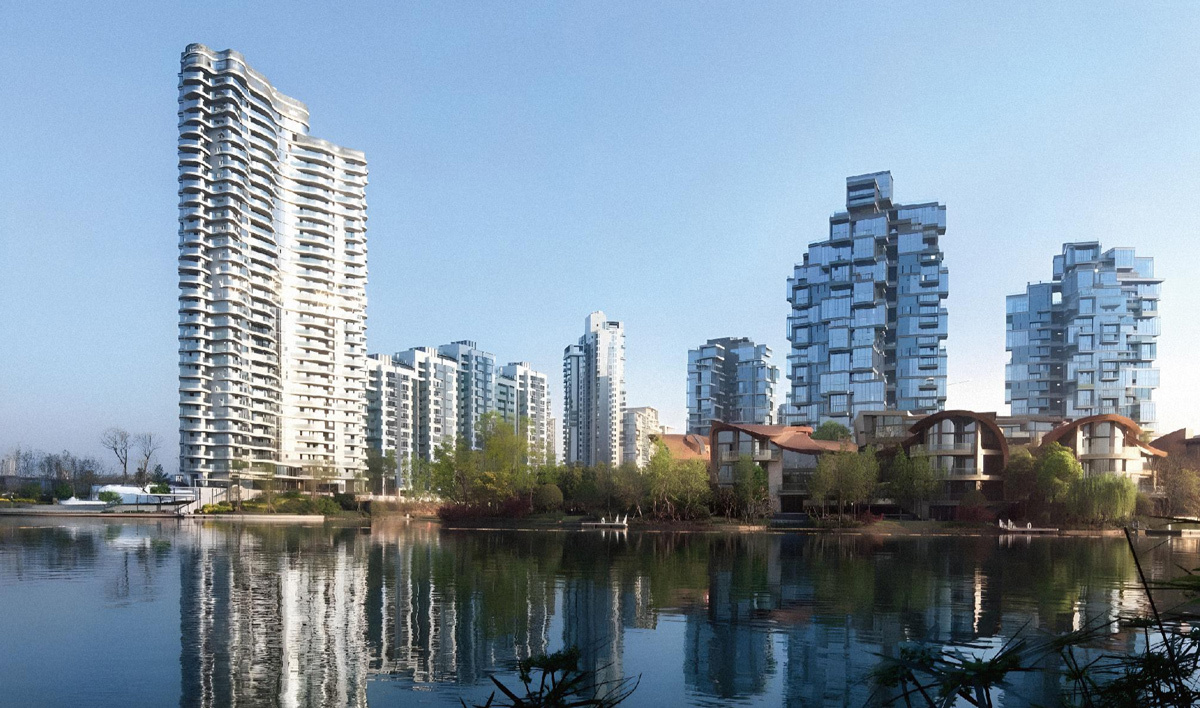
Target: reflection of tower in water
point(267, 624)
point(440, 617)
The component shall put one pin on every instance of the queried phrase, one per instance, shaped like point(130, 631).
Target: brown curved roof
point(987, 420)
point(1127, 423)
point(789, 437)
point(684, 447)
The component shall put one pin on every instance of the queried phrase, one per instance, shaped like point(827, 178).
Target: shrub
point(109, 497)
point(347, 502)
point(160, 488)
point(219, 508)
point(511, 508)
point(973, 507)
point(63, 490)
point(547, 497)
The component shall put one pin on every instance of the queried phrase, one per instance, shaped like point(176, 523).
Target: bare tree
point(147, 444)
point(117, 440)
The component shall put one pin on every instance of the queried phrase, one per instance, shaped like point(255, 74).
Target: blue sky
point(532, 162)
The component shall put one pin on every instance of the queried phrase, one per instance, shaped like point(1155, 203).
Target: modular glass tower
point(732, 380)
point(272, 276)
point(1085, 343)
point(594, 394)
point(868, 326)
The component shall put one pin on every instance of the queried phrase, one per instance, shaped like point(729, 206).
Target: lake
point(154, 612)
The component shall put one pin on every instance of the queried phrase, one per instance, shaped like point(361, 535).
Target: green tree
point(750, 488)
point(1056, 470)
point(1020, 475)
point(912, 481)
point(831, 430)
point(1101, 498)
point(845, 476)
point(380, 468)
point(503, 467)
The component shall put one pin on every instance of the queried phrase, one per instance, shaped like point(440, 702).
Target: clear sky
point(531, 162)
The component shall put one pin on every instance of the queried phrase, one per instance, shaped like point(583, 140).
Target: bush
point(511, 508)
point(63, 490)
point(160, 488)
point(347, 502)
point(220, 508)
point(109, 497)
point(547, 497)
point(973, 507)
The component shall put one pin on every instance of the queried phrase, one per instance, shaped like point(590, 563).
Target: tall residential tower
point(732, 380)
point(868, 328)
point(272, 276)
point(594, 393)
point(1085, 343)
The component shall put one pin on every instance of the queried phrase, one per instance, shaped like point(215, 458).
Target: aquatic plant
point(560, 684)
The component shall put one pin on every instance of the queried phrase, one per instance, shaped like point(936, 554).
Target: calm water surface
point(102, 613)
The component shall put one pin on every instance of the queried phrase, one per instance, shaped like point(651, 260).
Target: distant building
point(594, 393)
point(417, 400)
point(476, 387)
point(1183, 444)
point(392, 404)
point(867, 326)
point(1085, 343)
point(638, 425)
point(883, 429)
point(272, 280)
point(526, 403)
point(730, 379)
point(436, 418)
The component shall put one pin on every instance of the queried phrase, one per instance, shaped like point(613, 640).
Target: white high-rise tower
point(594, 394)
point(272, 277)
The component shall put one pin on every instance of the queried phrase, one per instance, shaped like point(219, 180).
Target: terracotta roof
point(684, 447)
point(1126, 423)
point(796, 438)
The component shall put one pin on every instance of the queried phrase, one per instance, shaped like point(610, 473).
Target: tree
point(831, 430)
point(750, 488)
point(1056, 470)
point(1020, 475)
point(912, 481)
point(845, 476)
point(146, 444)
point(159, 476)
point(117, 440)
point(1181, 488)
point(380, 468)
point(1101, 498)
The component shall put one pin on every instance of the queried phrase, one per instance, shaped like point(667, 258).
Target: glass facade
point(730, 379)
point(867, 327)
point(1085, 343)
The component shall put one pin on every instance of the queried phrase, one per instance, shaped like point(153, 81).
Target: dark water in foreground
point(98, 613)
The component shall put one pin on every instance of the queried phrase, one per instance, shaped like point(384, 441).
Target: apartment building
point(272, 276)
point(1085, 343)
point(868, 326)
point(730, 379)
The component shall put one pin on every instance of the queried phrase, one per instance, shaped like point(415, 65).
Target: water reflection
point(298, 616)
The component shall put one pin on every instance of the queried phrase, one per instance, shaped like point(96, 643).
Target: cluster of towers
point(275, 380)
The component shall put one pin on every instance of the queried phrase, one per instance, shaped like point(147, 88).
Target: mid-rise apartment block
point(732, 380)
point(392, 403)
point(272, 276)
point(526, 404)
point(594, 393)
point(417, 400)
point(476, 386)
point(868, 326)
point(1085, 343)
point(638, 424)
point(436, 419)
